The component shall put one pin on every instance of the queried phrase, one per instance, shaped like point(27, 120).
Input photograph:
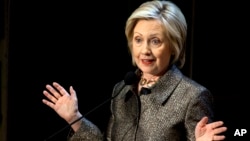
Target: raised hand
point(65, 104)
point(209, 132)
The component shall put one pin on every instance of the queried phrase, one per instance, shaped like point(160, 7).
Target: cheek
point(163, 57)
point(135, 52)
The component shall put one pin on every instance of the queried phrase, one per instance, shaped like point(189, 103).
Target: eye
point(155, 42)
point(138, 41)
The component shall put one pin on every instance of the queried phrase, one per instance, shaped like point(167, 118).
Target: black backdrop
point(83, 44)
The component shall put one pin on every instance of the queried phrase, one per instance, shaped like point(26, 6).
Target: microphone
point(129, 79)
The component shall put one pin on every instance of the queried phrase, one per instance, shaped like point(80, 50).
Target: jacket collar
point(165, 86)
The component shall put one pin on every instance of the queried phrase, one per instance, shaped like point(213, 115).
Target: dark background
point(83, 44)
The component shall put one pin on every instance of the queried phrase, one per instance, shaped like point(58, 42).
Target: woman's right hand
point(64, 104)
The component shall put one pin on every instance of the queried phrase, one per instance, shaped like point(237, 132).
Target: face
point(150, 48)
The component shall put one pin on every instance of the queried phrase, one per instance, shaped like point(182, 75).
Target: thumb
point(72, 91)
point(202, 122)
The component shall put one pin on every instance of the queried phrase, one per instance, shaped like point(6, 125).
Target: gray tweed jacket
point(169, 113)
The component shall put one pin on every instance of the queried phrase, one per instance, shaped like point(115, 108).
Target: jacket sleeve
point(87, 132)
point(200, 105)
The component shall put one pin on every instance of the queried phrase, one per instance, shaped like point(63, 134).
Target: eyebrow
point(151, 35)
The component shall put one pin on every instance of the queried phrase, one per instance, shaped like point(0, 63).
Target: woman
point(162, 104)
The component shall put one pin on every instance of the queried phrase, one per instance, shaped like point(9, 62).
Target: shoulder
point(187, 84)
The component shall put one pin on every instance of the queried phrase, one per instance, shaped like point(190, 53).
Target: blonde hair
point(173, 21)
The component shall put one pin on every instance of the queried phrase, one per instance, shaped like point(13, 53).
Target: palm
point(65, 104)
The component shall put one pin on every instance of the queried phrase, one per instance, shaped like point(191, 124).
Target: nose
point(145, 49)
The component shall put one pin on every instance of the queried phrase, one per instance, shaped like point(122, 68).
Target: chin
point(146, 70)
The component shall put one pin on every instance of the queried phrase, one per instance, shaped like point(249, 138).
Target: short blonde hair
point(173, 21)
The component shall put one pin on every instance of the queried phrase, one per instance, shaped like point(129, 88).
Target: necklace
point(148, 83)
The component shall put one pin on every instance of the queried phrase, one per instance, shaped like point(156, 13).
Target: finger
point(216, 124)
point(202, 122)
point(60, 88)
point(72, 92)
point(48, 103)
point(218, 137)
point(220, 130)
point(55, 93)
point(49, 96)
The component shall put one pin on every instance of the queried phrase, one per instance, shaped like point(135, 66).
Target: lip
point(147, 61)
